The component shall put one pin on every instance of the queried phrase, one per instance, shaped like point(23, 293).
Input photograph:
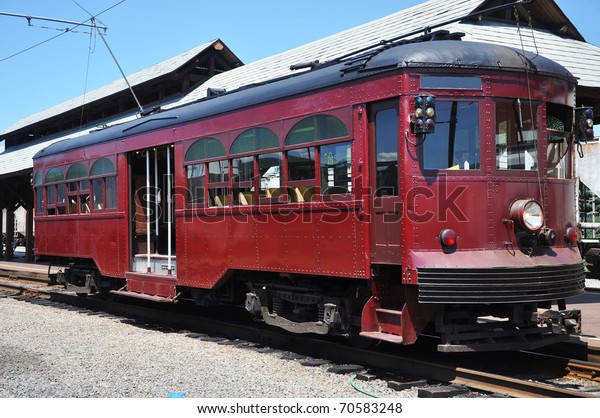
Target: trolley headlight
point(528, 214)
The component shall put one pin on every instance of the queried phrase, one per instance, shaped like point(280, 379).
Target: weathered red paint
point(344, 239)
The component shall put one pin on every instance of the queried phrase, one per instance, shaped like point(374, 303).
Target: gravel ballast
point(53, 351)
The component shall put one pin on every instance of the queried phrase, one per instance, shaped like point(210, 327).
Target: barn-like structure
point(538, 26)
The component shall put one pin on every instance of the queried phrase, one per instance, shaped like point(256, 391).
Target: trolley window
point(104, 185)
point(54, 175)
point(455, 143)
point(55, 193)
point(195, 183)
point(76, 171)
point(316, 128)
point(269, 168)
point(516, 135)
point(39, 193)
point(302, 162)
point(336, 169)
point(102, 166)
point(77, 189)
point(243, 180)
point(253, 140)
point(37, 179)
point(386, 151)
point(558, 127)
point(218, 182)
point(204, 149)
point(301, 174)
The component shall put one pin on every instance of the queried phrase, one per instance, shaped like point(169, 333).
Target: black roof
point(451, 54)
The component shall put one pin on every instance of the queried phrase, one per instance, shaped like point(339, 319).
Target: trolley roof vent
point(214, 91)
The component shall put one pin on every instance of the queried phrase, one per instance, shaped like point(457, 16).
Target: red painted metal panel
point(310, 239)
point(478, 217)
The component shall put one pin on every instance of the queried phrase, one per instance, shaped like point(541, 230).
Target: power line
point(64, 31)
point(31, 47)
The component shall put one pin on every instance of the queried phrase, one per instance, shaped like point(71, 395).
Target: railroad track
point(241, 327)
point(19, 288)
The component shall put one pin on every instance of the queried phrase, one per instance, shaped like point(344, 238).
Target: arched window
point(54, 175)
point(316, 128)
point(78, 189)
point(102, 166)
point(37, 178)
point(104, 189)
point(204, 149)
point(55, 193)
point(39, 192)
point(255, 139)
point(218, 171)
point(333, 160)
point(76, 171)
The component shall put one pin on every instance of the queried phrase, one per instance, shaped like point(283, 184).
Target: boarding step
point(390, 321)
point(144, 296)
point(390, 338)
point(153, 285)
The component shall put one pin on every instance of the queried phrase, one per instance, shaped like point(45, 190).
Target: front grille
point(500, 285)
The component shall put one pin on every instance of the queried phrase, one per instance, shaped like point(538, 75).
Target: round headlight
point(528, 214)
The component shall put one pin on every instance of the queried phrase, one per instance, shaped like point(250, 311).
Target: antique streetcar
point(423, 185)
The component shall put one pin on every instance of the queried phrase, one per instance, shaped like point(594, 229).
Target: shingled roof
point(178, 66)
point(557, 39)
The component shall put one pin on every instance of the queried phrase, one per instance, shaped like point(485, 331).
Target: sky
point(142, 33)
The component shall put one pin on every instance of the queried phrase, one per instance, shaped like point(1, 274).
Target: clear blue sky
point(142, 33)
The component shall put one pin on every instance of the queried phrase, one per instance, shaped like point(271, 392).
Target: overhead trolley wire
point(64, 31)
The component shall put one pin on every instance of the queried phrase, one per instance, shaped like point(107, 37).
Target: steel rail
point(574, 369)
point(26, 290)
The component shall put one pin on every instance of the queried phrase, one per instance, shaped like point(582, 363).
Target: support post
point(10, 233)
point(29, 256)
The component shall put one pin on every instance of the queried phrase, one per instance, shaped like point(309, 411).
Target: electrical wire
point(31, 47)
point(63, 32)
point(530, 98)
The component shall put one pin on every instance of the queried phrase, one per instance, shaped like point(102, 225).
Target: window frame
point(481, 122)
point(251, 188)
point(38, 185)
point(99, 178)
point(311, 189)
point(558, 153)
point(539, 107)
point(51, 185)
point(76, 179)
point(192, 200)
